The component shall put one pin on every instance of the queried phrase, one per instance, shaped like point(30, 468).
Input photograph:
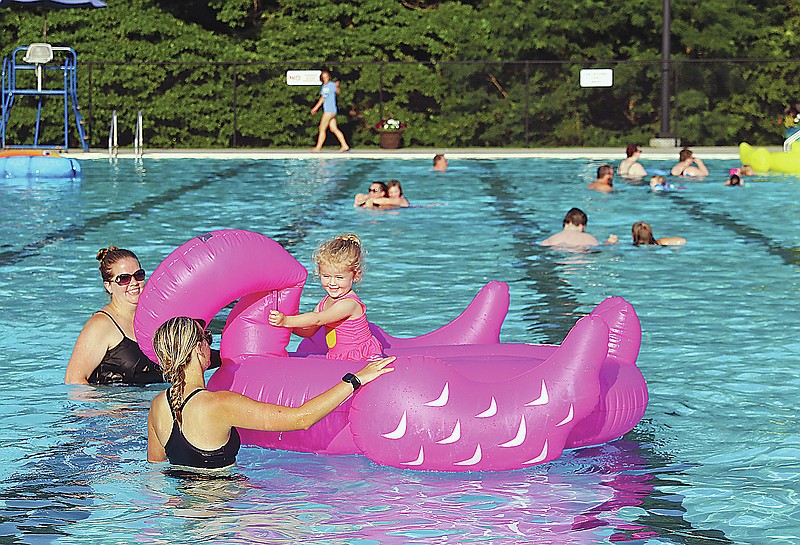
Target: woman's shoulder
point(100, 325)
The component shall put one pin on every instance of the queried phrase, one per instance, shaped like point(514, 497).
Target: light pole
point(665, 47)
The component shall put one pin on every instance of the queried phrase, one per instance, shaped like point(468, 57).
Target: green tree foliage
point(470, 73)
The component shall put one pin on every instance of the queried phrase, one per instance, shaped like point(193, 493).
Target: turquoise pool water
point(715, 459)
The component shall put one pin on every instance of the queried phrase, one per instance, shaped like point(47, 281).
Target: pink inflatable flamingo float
point(459, 399)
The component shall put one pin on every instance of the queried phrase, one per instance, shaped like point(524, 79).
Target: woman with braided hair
point(192, 427)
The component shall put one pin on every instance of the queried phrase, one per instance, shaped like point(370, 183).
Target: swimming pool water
point(715, 459)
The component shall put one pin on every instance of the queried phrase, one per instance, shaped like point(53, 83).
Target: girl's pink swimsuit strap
point(351, 339)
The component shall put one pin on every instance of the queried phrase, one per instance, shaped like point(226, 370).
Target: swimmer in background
point(340, 264)
point(394, 198)
point(377, 190)
point(689, 165)
point(573, 235)
point(643, 236)
point(630, 166)
point(734, 180)
point(604, 182)
point(440, 162)
point(744, 170)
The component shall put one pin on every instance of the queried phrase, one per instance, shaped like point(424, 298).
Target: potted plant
point(390, 131)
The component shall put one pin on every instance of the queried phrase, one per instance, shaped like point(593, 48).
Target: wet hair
point(735, 180)
point(108, 256)
point(631, 149)
point(174, 342)
point(394, 183)
point(576, 217)
point(658, 179)
point(642, 234)
point(341, 253)
point(746, 170)
point(684, 154)
point(439, 157)
point(604, 170)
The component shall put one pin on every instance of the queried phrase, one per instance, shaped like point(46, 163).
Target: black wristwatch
point(352, 379)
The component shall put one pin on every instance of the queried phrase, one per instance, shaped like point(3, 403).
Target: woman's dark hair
point(108, 256)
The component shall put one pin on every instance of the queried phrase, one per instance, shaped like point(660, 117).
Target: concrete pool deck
point(614, 154)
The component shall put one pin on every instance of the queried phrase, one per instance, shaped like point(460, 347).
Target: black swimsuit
point(125, 364)
point(181, 452)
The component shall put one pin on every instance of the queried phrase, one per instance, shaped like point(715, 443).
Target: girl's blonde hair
point(343, 253)
point(174, 342)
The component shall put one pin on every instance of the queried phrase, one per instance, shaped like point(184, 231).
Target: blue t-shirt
point(329, 92)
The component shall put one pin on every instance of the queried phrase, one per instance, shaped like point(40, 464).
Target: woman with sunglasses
point(106, 351)
point(377, 190)
point(195, 428)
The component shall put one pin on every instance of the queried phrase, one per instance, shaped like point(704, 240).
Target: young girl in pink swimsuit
point(340, 264)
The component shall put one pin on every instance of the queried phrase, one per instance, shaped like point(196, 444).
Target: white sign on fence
point(303, 77)
point(597, 77)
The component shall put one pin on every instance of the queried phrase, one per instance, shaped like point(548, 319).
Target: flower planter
point(390, 139)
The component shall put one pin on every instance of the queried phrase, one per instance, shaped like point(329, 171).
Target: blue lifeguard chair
point(39, 58)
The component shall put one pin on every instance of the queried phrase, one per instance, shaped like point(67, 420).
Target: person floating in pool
point(377, 190)
point(194, 428)
point(744, 170)
point(689, 165)
point(106, 351)
point(630, 167)
point(659, 183)
point(440, 162)
point(327, 101)
point(604, 182)
point(393, 199)
point(574, 234)
point(340, 264)
point(643, 236)
point(734, 180)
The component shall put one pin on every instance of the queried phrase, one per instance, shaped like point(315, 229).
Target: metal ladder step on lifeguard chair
point(37, 57)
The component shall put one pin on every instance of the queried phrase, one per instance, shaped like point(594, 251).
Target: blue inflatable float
point(37, 164)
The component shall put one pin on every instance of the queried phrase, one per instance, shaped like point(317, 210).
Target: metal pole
point(665, 47)
point(527, 102)
point(235, 74)
point(380, 90)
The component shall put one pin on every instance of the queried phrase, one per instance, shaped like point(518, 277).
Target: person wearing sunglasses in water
point(377, 190)
point(106, 351)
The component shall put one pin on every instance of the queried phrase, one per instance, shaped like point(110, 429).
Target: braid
point(174, 341)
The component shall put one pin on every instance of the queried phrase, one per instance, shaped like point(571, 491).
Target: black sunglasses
point(375, 190)
point(125, 278)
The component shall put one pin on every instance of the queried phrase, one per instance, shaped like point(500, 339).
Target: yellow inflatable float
point(764, 161)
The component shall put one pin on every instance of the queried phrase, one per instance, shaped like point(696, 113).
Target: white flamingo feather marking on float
point(400, 430)
point(543, 398)
point(455, 436)
point(491, 411)
point(441, 401)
